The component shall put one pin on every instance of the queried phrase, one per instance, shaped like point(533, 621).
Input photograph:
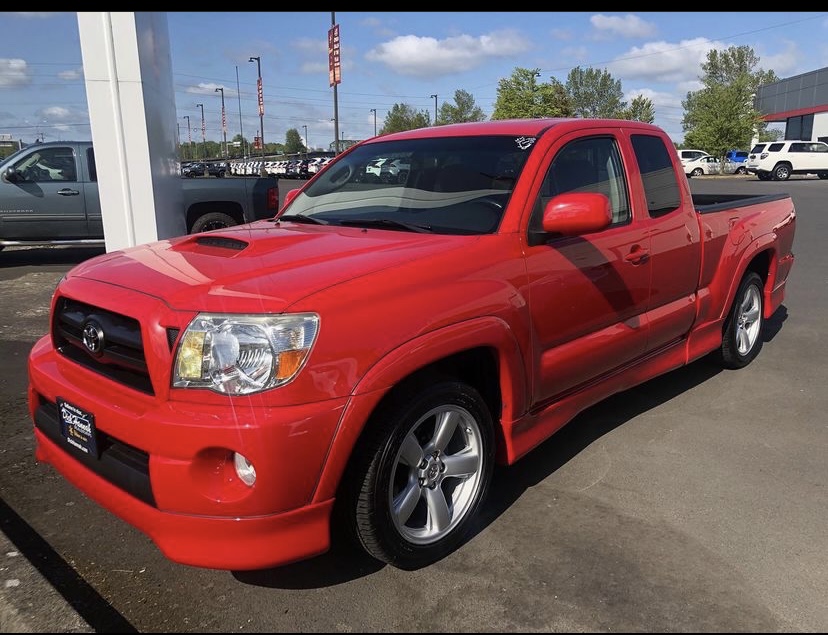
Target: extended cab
point(361, 362)
point(49, 195)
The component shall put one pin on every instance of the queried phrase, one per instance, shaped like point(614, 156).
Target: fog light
point(244, 469)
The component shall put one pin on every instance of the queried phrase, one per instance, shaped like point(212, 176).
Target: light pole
point(435, 109)
point(203, 133)
point(258, 61)
point(307, 146)
point(189, 136)
point(241, 128)
point(223, 119)
point(374, 110)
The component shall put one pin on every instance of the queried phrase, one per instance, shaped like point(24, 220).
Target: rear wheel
point(212, 220)
point(420, 473)
point(781, 172)
point(742, 335)
point(763, 176)
point(823, 175)
point(697, 172)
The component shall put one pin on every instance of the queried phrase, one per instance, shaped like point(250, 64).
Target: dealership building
point(800, 102)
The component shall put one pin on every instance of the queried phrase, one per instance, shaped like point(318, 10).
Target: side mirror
point(12, 175)
point(573, 214)
point(292, 194)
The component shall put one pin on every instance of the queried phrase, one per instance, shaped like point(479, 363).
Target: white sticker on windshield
point(525, 142)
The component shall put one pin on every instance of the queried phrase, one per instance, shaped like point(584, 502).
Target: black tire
point(697, 172)
point(823, 175)
point(741, 170)
point(420, 473)
point(782, 172)
point(763, 176)
point(212, 220)
point(742, 334)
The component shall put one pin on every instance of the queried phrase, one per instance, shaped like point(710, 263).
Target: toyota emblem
point(93, 337)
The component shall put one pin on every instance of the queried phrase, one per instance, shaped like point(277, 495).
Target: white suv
point(777, 160)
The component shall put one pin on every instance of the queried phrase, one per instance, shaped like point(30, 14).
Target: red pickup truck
point(360, 362)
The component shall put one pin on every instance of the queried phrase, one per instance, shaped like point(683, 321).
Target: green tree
point(293, 142)
point(462, 110)
point(404, 117)
point(720, 115)
point(520, 96)
point(595, 94)
point(641, 109)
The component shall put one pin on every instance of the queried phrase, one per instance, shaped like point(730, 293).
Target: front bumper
point(166, 466)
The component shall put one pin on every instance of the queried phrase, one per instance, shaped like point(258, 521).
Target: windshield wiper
point(300, 218)
point(387, 222)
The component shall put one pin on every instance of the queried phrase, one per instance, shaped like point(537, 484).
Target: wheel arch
point(482, 353)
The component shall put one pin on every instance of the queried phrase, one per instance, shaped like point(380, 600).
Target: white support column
point(129, 88)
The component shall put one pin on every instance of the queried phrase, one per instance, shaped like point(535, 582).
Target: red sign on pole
point(261, 97)
point(334, 69)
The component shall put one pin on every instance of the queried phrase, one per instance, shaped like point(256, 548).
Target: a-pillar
point(129, 89)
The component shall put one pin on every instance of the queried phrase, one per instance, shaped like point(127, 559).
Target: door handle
point(637, 256)
point(67, 192)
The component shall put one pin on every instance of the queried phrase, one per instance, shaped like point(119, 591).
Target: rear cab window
point(657, 174)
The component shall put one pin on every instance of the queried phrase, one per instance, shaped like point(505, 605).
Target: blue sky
point(388, 58)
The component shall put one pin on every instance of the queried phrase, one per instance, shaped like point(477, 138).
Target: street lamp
point(189, 136)
point(374, 110)
point(203, 133)
point(258, 61)
point(435, 109)
point(241, 128)
point(306, 138)
point(223, 119)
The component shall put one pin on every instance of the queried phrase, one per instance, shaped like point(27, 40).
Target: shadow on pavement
point(82, 597)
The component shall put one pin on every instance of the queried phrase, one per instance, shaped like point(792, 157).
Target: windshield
point(451, 185)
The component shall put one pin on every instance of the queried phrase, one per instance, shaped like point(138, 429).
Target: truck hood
point(261, 267)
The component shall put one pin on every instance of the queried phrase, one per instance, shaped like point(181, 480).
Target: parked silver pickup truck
point(49, 195)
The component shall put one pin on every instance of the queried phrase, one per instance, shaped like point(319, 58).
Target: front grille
point(121, 355)
point(121, 464)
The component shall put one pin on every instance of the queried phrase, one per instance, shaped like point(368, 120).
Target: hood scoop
point(221, 242)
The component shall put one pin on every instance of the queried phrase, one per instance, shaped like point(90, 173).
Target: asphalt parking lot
point(696, 502)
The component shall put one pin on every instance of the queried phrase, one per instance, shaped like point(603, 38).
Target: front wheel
point(742, 335)
point(420, 473)
point(697, 172)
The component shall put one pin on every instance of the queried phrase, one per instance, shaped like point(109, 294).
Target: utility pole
point(223, 119)
point(435, 110)
point(374, 110)
point(334, 70)
point(258, 61)
point(203, 133)
point(241, 127)
point(307, 145)
point(189, 137)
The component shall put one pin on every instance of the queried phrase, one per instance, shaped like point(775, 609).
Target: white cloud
point(563, 35)
point(34, 14)
point(209, 88)
point(626, 26)
point(71, 75)
point(663, 61)
point(427, 56)
point(56, 114)
point(784, 63)
point(660, 99)
point(14, 72)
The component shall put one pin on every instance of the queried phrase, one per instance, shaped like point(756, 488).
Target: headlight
point(243, 354)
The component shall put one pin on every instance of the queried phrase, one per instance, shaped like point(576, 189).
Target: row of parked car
point(699, 162)
point(288, 168)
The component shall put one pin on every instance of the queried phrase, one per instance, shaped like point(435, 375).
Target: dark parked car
point(193, 169)
point(217, 168)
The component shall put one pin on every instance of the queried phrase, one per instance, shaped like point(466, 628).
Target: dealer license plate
point(78, 427)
